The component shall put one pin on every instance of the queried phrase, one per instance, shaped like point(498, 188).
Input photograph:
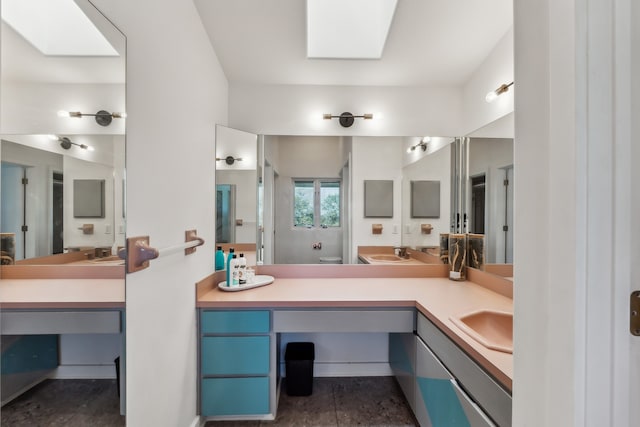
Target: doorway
point(478, 200)
point(225, 213)
point(58, 213)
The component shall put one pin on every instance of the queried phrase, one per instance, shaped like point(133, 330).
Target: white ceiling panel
point(430, 43)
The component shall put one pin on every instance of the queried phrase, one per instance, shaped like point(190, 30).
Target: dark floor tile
point(65, 403)
point(232, 424)
point(371, 401)
point(318, 409)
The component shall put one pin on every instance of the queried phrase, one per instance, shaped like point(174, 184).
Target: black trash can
point(117, 362)
point(299, 358)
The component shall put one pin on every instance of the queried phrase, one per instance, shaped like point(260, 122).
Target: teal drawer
point(235, 355)
point(235, 322)
point(235, 396)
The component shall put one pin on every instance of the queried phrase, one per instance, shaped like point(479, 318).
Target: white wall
point(434, 166)
point(297, 110)
point(34, 108)
point(496, 69)
point(170, 188)
point(547, 368)
point(376, 158)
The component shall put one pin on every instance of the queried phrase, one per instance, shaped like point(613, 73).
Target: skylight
point(56, 27)
point(348, 29)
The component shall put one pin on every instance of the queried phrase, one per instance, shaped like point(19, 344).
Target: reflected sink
point(113, 259)
point(492, 329)
point(388, 258)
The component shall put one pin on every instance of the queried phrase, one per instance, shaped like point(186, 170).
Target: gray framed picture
point(425, 199)
point(378, 199)
point(88, 198)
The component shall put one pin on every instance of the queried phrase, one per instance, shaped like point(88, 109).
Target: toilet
point(331, 260)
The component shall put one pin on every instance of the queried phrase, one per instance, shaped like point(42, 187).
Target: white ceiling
point(431, 42)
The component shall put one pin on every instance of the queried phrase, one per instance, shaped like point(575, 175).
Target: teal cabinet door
point(402, 359)
point(235, 322)
point(235, 396)
point(235, 355)
point(437, 401)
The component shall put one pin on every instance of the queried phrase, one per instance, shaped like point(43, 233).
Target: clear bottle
point(219, 258)
point(229, 258)
point(242, 270)
point(234, 266)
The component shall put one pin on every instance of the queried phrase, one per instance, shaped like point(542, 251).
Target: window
point(316, 203)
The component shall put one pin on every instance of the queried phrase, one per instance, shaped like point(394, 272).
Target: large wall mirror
point(303, 202)
point(62, 134)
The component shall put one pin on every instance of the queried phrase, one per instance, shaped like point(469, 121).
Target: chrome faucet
point(401, 251)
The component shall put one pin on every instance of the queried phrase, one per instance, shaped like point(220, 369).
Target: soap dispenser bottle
point(229, 258)
point(242, 268)
point(219, 258)
point(234, 266)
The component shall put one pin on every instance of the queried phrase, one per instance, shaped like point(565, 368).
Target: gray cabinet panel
point(491, 397)
point(59, 322)
point(344, 321)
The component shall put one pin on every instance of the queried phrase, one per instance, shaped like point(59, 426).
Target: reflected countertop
point(61, 293)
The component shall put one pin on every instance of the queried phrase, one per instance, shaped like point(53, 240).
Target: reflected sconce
point(66, 143)
point(229, 159)
point(103, 118)
point(346, 119)
point(491, 96)
point(422, 145)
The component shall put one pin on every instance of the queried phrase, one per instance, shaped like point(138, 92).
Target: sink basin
point(492, 329)
point(388, 258)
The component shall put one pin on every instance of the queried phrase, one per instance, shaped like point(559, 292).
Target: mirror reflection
point(42, 189)
point(302, 181)
point(62, 130)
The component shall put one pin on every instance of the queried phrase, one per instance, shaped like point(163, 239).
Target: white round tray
point(259, 280)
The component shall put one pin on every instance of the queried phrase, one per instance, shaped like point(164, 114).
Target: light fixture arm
point(66, 143)
point(499, 91)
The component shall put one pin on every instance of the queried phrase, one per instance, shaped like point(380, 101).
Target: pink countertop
point(435, 297)
point(61, 293)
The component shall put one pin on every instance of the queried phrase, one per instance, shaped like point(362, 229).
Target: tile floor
point(362, 401)
point(68, 403)
point(359, 401)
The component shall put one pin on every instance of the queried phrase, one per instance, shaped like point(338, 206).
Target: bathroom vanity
point(432, 358)
point(35, 311)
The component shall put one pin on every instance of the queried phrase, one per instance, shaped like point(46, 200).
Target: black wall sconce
point(66, 143)
point(229, 159)
point(103, 118)
point(346, 119)
point(422, 145)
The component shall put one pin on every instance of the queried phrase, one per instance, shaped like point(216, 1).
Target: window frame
point(317, 203)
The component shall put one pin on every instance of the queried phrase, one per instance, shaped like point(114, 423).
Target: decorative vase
point(457, 256)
